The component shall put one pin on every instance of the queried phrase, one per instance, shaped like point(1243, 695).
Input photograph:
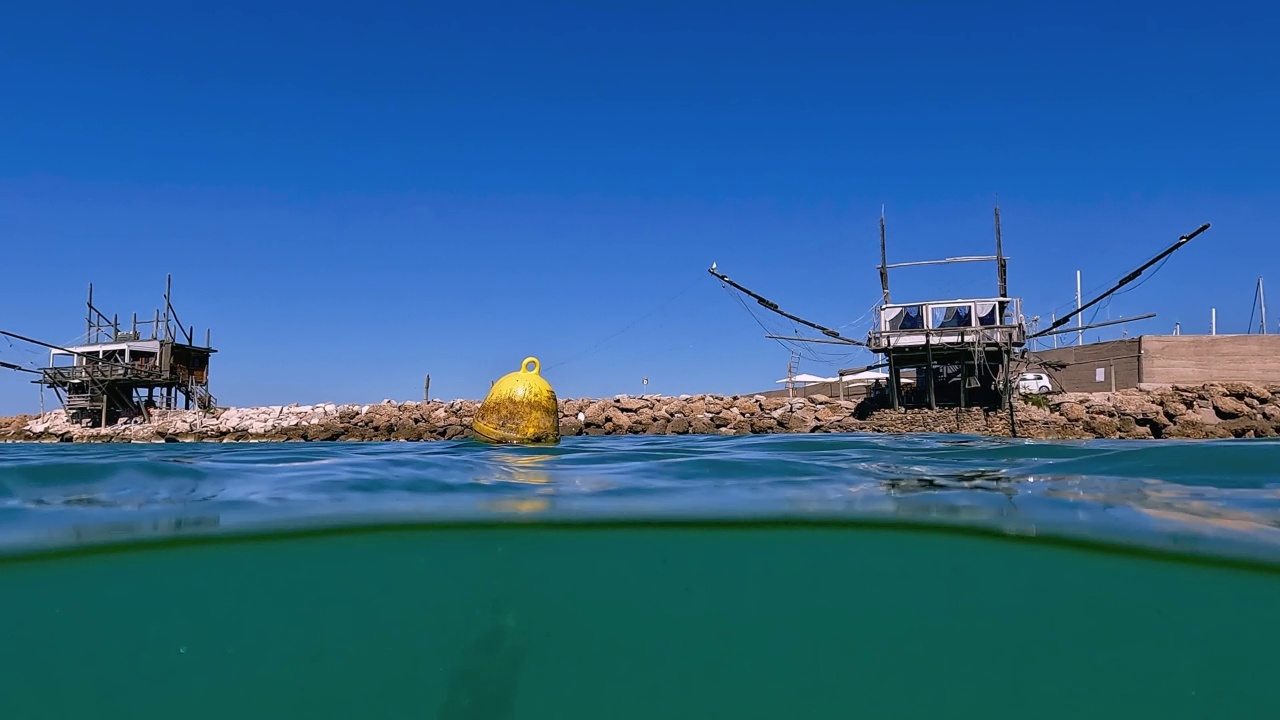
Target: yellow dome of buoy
point(520, 408)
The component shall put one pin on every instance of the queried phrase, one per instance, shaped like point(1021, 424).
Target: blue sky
point(354, 195)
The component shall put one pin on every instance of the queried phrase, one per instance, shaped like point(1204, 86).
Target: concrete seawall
point(1239, 410)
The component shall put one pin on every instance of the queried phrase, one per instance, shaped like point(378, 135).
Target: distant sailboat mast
point(1260, 305)
point(1262, 302)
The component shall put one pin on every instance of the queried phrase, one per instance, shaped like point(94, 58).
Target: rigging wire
point(800, 348)
point(864, 316)
point(1107, 304)
point(807, 352)
point(601, 343)
point(1070, 304)
point(773, 307)
point(802, 351)
point(1157, 259)
point(14, 365)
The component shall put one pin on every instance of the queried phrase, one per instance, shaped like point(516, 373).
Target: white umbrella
point(806, 378)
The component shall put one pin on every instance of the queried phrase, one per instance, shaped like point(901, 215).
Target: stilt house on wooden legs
point(128, 372)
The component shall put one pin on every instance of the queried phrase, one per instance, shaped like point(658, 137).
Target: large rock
point(800, 422)
point(1247, 390)
point(1196, 430)
point(618, 420)
point(701, 426)
point(1101, 426)
point(1248, 428)
point(1136, 406)
point(596, 414)
point(631, 404)
point(1229, 408)
point(1072, 411)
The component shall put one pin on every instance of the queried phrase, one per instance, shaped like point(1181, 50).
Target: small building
point(1151, 362)
point(122, 373)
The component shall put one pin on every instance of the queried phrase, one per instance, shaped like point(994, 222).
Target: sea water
point(636, 577)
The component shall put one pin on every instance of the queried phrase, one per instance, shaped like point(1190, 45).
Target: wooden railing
point(100, 371)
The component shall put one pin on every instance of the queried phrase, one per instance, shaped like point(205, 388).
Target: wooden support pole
point(928, 352)
point(894, 374)
point(1002, 281)
point(167, 305)
point(1006, 368)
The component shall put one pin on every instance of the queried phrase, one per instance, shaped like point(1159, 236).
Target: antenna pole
point(88, 318)
point(884, 261)
point(1213, 321)
point(1079, 315)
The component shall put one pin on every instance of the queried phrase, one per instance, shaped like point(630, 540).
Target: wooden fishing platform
point(959, 349)
point(120, 374)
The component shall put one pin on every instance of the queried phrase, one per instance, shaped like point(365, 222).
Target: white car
point(1033, 384)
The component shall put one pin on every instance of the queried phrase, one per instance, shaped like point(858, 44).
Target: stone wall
point(1172, 359)
point(1209, 411)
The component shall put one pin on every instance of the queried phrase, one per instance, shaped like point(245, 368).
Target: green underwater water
point(782, 620)
point(833, 576)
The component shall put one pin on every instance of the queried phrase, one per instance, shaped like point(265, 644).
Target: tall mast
point(1002, 278)
point(884, 261)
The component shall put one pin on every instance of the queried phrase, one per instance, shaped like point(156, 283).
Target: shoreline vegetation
point(1217, 410)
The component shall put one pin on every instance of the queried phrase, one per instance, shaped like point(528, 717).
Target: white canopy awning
point(866, 376)
point(131, 345)
point(806, 378)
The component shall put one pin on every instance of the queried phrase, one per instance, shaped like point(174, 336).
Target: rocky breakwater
point(1217, 410)
point(278, 423)
point(652, 415)
point(1211, 411)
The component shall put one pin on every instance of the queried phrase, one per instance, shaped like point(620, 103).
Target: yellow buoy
point(520, 408)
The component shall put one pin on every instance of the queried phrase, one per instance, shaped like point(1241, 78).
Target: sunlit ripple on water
point(1220, 497)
